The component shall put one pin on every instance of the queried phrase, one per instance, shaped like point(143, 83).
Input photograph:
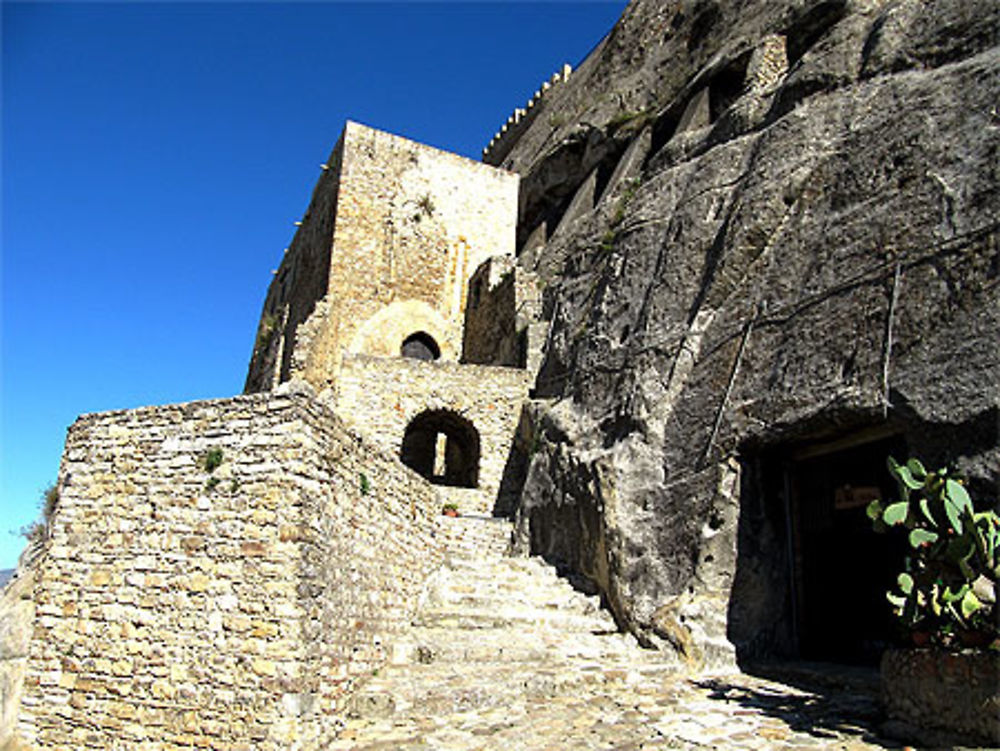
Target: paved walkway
point(505, 655)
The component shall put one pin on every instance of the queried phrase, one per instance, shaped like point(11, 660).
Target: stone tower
point(382, 257)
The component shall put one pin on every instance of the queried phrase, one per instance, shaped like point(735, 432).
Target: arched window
point(420, 346)
point(443, 447)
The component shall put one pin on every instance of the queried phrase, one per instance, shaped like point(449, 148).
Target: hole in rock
point(810, 27)
point(727, 85)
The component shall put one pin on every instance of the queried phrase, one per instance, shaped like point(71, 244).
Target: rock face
point(17, 611)
point(769, 243)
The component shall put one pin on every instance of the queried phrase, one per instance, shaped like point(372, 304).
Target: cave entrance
point(840, 567)
point(443, 447)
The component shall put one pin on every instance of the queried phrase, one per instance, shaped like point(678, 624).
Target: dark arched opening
point(420, 346)
point(443, 447)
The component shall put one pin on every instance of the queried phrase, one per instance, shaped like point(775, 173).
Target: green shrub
point(608, 240)
point(629, 121)
point(38, 530)
point(629, 193)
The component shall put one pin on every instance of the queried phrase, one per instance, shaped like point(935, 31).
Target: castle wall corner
point(219, 606)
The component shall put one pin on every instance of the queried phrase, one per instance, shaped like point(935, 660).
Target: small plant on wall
point(211, 460)
point(947, 591)
point(425, 207)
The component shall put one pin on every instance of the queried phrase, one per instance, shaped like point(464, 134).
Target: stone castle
point(662, 337)
point(265, 551)
point(406, 257)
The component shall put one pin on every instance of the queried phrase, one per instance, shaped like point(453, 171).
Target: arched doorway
point(443, 447)
point(420, 346)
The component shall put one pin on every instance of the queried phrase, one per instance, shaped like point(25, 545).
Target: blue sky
point(156, 155)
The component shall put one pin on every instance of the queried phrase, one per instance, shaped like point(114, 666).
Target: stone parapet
point(220, 574)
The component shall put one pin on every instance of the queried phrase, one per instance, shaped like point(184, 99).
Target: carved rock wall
point(737, 290)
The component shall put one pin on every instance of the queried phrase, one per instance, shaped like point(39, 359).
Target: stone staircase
point(491, 632)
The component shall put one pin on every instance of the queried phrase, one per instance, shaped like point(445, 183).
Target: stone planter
point(935, 696)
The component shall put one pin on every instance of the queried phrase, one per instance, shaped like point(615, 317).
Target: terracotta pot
point(920, 638)
point(450, 512)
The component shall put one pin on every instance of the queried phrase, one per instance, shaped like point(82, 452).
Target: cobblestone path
point(506, 655)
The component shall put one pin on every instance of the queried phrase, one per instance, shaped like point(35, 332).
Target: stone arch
point(420, 346)
point(443, 447)
point(382, 333)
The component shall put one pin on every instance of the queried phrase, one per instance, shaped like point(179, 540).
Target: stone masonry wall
point(932, 695)
point(503, 321)
point(232, 608)
point(381, 396)
point(489, 336)
point(404, 226)
point(17, 613)
point(299, 283)
point(412, 225)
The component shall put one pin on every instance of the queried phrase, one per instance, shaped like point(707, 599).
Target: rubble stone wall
point(298, 285)
point(231, 607)
point(413, 223)
point(501, 316)
point(933, 695)
point(17, 613)
point(382, 395)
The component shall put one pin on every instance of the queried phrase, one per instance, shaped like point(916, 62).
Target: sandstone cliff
point(760, 226)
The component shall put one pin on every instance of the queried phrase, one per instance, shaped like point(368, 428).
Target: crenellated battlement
point(505, 138)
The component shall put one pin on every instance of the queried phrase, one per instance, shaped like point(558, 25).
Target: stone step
point(497, 576)
point(449, 600)
point(528, 618)
point(524, 570)
point(437, 644)
point(506, 583)
point(542, 608)
point(449, 688)
point(484, 613)
point(471, 501)
point(474, 538)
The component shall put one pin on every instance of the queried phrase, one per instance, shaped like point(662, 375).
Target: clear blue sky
point(156, 155)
